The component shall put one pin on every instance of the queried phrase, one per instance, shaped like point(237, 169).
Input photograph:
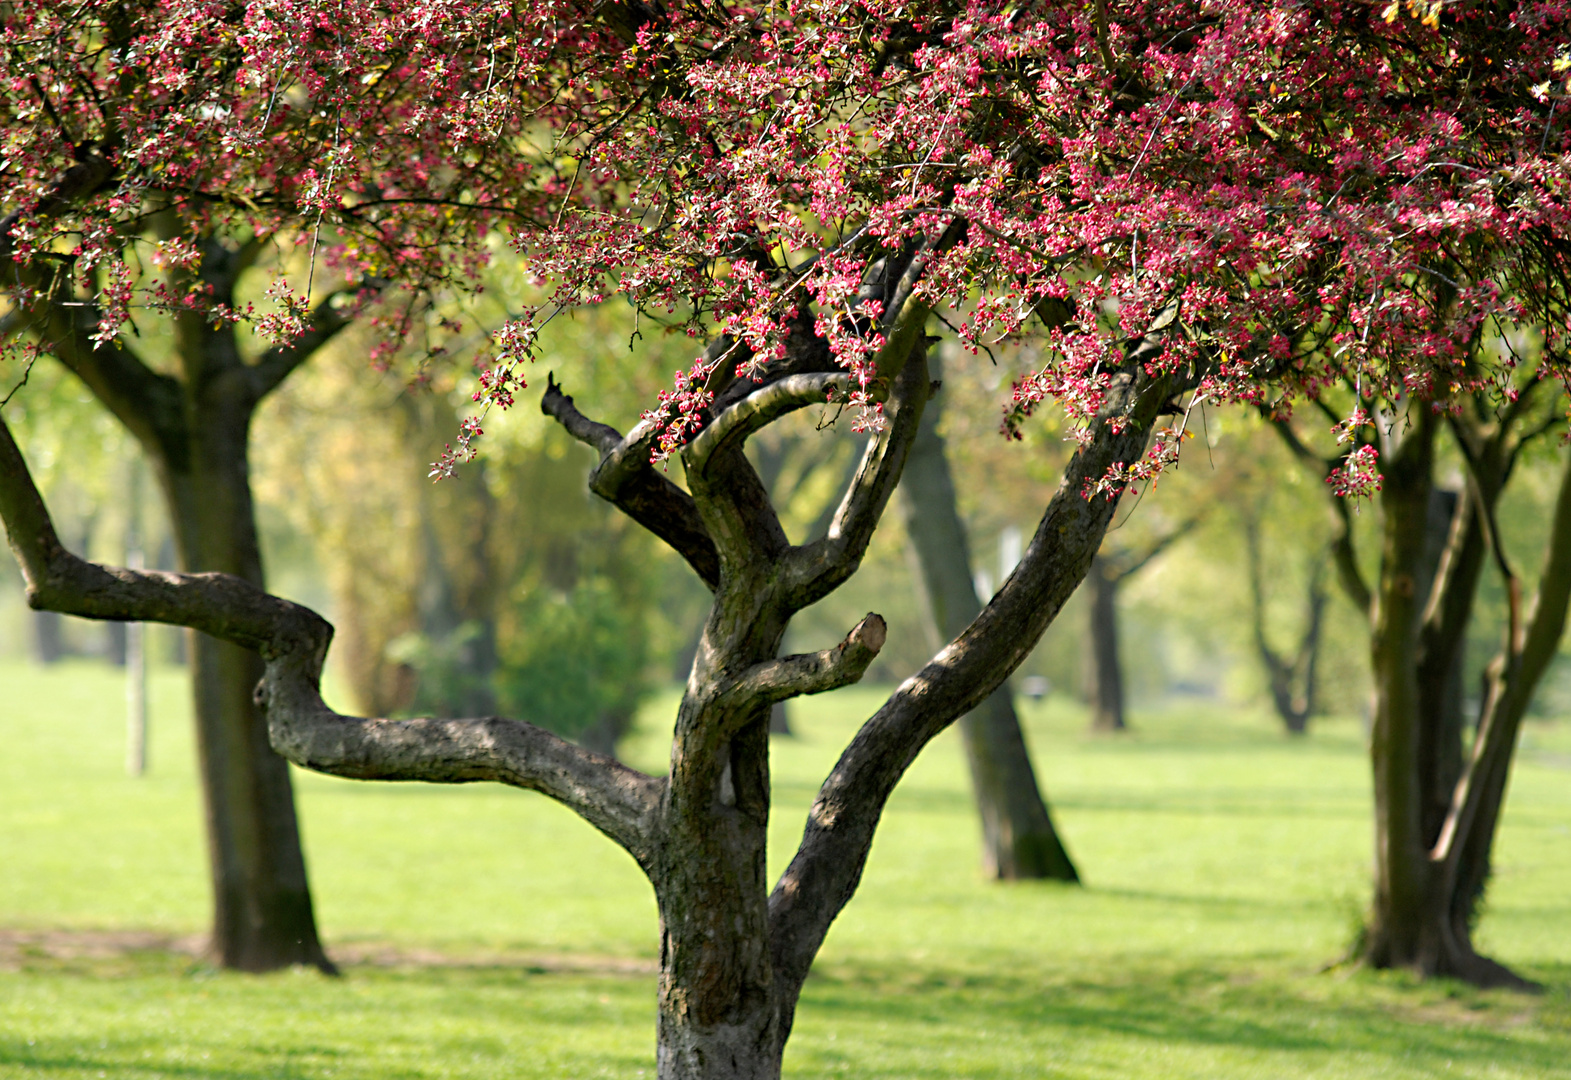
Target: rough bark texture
point(733, 953)
point(1018, 837)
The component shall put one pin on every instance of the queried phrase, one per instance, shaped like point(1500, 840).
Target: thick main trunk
point(1104, 671)
point(718, 1013)
point(1406, 925)
point(262, 912)
point(719, 1016)
point(1018, 837)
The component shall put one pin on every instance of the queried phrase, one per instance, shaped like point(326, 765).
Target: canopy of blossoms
point(1297, 193)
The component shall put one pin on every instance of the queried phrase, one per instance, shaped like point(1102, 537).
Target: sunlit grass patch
point(1225, 866)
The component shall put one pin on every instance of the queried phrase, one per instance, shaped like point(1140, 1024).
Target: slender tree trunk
point(262, 912)
point(1105, 672)
point(1018, 837)
point(1292, 682)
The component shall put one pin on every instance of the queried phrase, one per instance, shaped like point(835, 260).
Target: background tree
point(1018, 837)
point(1104, 662)
point(1438, 802)
point(156, 156)
point(1292, 679)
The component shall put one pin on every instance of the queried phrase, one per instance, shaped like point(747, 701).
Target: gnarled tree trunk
point(734, 954)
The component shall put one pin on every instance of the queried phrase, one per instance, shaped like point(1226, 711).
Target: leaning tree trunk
point(1104, 671)
point(1018, 837)
point(262, 912)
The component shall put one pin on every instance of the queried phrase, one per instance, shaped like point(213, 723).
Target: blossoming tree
point(1179, 204)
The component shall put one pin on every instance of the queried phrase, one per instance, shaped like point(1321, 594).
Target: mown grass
point(1225, 868)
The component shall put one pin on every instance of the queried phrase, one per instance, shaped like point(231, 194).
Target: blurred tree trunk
point(779, 720)
point(263, 915)
point(1104, 667)
point(1019, 840)
point(1292, 681)
point(194, 426)
point(48, 641)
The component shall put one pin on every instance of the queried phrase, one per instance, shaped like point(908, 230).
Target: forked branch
point(828, 864)
point(819, 566)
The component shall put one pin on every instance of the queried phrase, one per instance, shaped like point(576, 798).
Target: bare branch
point(1161, 545)
point(759, 409)
point(145, 401)
point(1344, 552)
point(293, 640)
point(557, 405)
point(625, 479)
point(820, 565)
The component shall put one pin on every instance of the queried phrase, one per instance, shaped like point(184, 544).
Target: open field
point(491, 934)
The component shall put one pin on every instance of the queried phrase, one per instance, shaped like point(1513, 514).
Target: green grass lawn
point(1225, 867)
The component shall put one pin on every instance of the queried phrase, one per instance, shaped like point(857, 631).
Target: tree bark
point(1104, 668)
point(1436, 813)
point(262, 912)
point(1018, 837)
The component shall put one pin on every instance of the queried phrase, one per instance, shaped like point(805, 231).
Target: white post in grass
point(135, 642)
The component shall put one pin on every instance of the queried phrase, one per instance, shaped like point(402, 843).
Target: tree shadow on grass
point(148, 1013)
point(1256, 1007)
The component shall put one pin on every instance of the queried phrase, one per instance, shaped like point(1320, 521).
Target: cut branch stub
point(812, 673)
